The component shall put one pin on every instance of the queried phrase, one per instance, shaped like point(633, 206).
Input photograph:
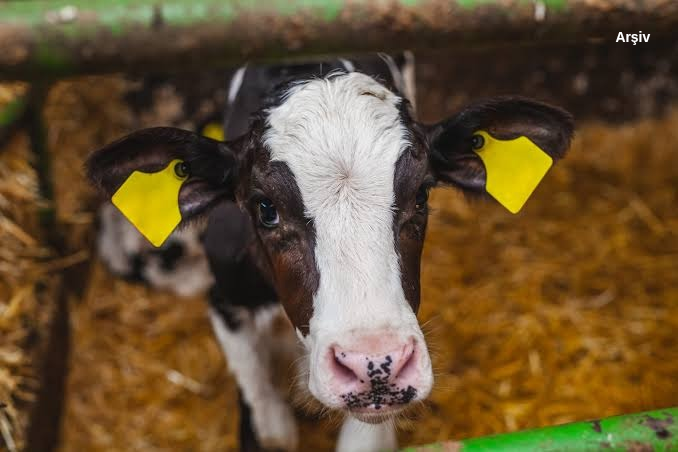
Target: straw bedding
point(567, 311)
point(27, 280)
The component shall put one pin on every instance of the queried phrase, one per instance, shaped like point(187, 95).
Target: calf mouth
point(384, 397)
point(370, 415)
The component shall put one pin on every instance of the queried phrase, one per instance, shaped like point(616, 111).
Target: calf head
point(179, 265)
point(335, 176)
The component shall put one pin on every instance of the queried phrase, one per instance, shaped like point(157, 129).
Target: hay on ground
point(25, 283)
point(567, 311)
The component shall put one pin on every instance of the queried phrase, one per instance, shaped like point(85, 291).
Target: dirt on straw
point(566, 311)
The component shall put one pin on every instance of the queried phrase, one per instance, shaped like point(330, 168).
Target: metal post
point(37, 133)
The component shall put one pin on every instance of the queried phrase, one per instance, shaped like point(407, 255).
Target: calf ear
point(212, 165)
point(452, 158)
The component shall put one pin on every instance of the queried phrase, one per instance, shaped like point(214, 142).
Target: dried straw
point(567, 311)
point(23, 322)
point(29, 271)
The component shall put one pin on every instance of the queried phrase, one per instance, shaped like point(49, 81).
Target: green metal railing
point(642, 432)
point(66, 37)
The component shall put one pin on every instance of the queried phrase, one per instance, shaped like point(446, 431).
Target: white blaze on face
point(341, 138)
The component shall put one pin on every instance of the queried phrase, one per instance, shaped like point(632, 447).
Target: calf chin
point(378, 418)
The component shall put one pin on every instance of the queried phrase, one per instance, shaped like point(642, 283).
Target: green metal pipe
point(642, 432)
point(67, 37)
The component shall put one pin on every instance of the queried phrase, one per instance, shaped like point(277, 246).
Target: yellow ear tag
point(214, 130)
point(150, 201)
point(514, 169)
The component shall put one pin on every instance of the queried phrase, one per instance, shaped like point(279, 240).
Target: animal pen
point(543, 321)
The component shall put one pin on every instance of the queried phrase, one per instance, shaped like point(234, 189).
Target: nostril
point(341, 371)
point(407, 363)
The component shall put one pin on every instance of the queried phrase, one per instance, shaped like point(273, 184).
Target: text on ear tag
point(150, 201)
point(514, 169)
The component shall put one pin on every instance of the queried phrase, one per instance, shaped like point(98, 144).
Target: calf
point(179, 265)
point(321, 208)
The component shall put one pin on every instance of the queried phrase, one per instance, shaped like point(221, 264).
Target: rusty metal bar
point(67, 37)
point(650, 431)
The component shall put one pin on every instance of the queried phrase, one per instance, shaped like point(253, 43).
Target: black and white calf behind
point(179, 266)
point(320, 207)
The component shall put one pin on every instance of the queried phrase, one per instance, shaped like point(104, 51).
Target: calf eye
point(268, 215)
point(421, 198)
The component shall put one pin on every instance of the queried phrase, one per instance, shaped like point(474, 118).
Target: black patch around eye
point(137, 272)
point(170, 255)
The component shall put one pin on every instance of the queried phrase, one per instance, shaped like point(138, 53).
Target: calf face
point(179, 266)
point(335, 176)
